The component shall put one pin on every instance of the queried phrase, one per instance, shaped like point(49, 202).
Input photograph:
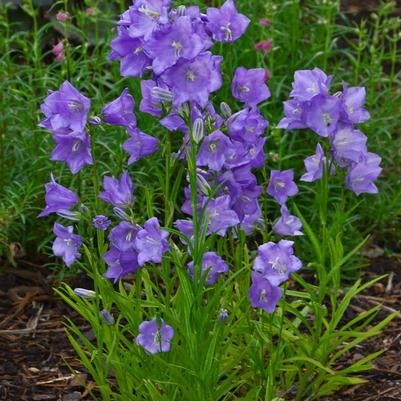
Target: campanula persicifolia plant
point(201, 306)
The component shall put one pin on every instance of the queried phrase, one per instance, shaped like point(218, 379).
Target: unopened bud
point(203, 185)
point(67, 214)
point(162, 94)
point(95, 120)
point(225, 110)
point(107, 317)
point(198, 130)
point(181, 10)
point(83, 293)
point(120, 213)
point(223, 315)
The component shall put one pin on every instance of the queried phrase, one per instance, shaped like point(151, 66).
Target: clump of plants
point(201, 298)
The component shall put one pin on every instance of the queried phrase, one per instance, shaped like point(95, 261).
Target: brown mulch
point(34, 352)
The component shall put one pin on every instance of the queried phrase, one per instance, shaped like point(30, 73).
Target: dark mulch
point(34, 351)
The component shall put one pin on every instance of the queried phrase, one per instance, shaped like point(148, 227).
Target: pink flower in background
point(264, 46)
point(90, 11)
point(58, 51)
point(265, 22)
point(62, 16)
point(267, 75)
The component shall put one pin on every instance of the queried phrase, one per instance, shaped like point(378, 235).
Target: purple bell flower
point(65, 108)
point(282, 185)
point(310, 83)
point(140, 145)
point(101, 222)
point(120, 263)
point(151, 242)
point(153, 338)
point(66, 244)
point(194, 80)
point(287, 224)
point(123, 236)
point(120, 111)
point(353, 102)
point(73, 149)
point(58, 198)
point(226, 24)
point(176, 41)
point(214, 150)
point(276, 261)
point(133, 60)
point(119, 192)
point(314, 165)
point(347, 145)
point(361, 175)
point(246, 125)
point(294, 111)
point(322, 114)
point(149, 104)
point(263, 294)
point(221, 216)
point(249, 86)
point(213, 264)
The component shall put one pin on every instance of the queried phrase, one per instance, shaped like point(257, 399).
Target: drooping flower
point(347, 145)
point(282, 185)
point(353, 102)
point(226, 24)
point(294, 111)
point(214, 151)
point(151, 242)
point(172, 43)
point(140, 145)
point(310, 83)
point(101, 222)
point(249, 86)
point(66, 244)
point(314, 165)
point(263, 294)
point(213, 264)
point(361, 175)
point(58, 198)
point(65, 108)
point(120, 111)
point(73, 149)
point(120, 263)
point(123, 236)
point(149, 104)
point(154, 338)
point(221, 216)
point(276, 261)
point(287, 224)
point(194, 80)
point(133, 59)
point(118, 192)
point(322, 114)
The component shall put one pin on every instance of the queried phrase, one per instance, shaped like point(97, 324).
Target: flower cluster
point(66, 112)
point(333, 116)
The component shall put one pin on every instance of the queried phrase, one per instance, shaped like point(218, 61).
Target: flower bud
point(181, 10)
point(203, 185)
point(69, 215)
point(223, 315)
point(94, 120)
point(162, 94)
point(225, 110)
point(198, 130)
point(83, 293)
point(62, 16)
point(121, 214)
point(107, 317)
